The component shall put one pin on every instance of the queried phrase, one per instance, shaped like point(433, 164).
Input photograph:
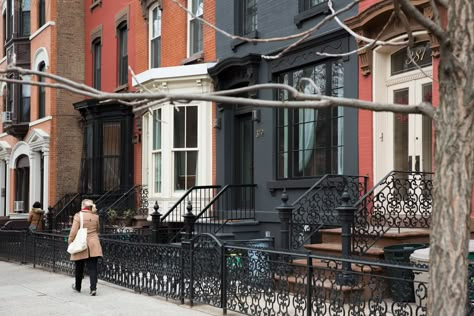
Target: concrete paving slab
point(36, 292)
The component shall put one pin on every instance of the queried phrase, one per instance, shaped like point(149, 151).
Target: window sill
point(306, 183)
point(95, 4)
point(320, 9)
point(122, 88)
point(237, 42)
point(196, 58)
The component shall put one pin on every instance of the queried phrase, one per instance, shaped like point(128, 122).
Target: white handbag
point(80, 242)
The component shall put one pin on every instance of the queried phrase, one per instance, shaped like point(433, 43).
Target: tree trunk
point(454, 161)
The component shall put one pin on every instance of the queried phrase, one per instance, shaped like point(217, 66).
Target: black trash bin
point(401, 280)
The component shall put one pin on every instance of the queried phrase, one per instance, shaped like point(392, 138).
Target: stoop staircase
point(396, 211)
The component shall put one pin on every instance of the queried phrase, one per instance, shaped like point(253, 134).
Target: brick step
point(335, 249)
point(329, 265)
point(391, 237)
point(328, 289)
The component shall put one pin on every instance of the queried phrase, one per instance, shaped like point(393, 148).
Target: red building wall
point(105, 15)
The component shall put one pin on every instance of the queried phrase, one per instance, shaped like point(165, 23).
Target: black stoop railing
point(64, 210)
point(315, 209)
point(235, 202)
point(132, 202)
point(400, 200)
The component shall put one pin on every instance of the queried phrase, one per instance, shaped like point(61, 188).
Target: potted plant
point(129, 215)
point(112, 216)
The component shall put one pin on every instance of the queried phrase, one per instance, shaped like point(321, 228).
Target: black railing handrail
point(220, 193)
point(216, 198)
point(185, 195)
point(67, 205)
point(108, 193)
point(318, 183)
point(123, 196)
point(375, 187)
point(361, 204)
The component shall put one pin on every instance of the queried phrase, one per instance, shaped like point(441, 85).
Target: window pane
point(122, 56)
point(97, 65)
point(185, 167)
point(111, 155)
point(155, 52)
point(191, 127)
point(196, 36)
point(179, 126)
point(157, 129)
point(249, 17)
point(157, 173)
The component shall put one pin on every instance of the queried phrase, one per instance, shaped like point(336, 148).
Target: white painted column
point(33, 184)
point(8, 186)
point(3, 210)
point(45, 178)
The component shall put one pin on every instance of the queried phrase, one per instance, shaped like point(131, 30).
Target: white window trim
point(204, 149)
point(150, 30)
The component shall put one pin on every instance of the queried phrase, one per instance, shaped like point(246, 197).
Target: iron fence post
point(223, 280)
point(285, 212)
point(102, 215)
point(309, 284)
point(189, 219)
point(185, 252)
point(346, 214)
point(156, 220)
point(191, 273)
point(50, 218)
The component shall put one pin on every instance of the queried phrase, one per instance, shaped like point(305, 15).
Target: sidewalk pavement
point(36, 292)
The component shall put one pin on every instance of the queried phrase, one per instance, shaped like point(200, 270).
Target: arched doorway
point(22, 183)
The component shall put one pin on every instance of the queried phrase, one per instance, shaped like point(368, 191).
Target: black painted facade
point(257, 157)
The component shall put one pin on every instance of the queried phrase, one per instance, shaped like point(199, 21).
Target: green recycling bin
point(401, 280)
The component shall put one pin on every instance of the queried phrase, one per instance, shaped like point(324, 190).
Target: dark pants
point(92, 270)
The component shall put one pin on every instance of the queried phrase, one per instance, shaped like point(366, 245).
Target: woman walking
point(89, 256)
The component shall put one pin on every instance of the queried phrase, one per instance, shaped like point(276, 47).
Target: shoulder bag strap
point(82, 219)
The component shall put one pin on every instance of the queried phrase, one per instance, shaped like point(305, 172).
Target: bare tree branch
point(434, 28)
point(300, 100)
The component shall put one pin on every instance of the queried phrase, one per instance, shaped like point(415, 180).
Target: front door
point(243, 158)
point(404, 141)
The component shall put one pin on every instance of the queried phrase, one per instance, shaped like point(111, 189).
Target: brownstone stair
point(331, 241)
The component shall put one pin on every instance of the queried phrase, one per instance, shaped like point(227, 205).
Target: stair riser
point(348, 294)
point(382, 242)
point(337, 253)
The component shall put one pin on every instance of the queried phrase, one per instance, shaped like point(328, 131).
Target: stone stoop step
point(391, 237)
point(328, 288)
point(335, 249)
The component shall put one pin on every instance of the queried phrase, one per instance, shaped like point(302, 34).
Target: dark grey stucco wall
point(276, 18)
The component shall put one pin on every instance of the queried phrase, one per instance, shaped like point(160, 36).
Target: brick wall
point(66, 131)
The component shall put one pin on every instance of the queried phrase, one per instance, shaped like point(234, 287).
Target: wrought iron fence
point(399, 200)
point(246, 280)
point(315, 209)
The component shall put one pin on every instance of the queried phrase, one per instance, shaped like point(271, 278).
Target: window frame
point(97, 63)
point(307, 11)
point(192, 48)
point(41, 92)
point(152, 37)
point(336, 129)
point(41, 13)
point(168, 150)
point(122, 54)
point(242, 18)
point(25, 15)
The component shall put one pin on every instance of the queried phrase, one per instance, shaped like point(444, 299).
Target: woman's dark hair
point(37, 205)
